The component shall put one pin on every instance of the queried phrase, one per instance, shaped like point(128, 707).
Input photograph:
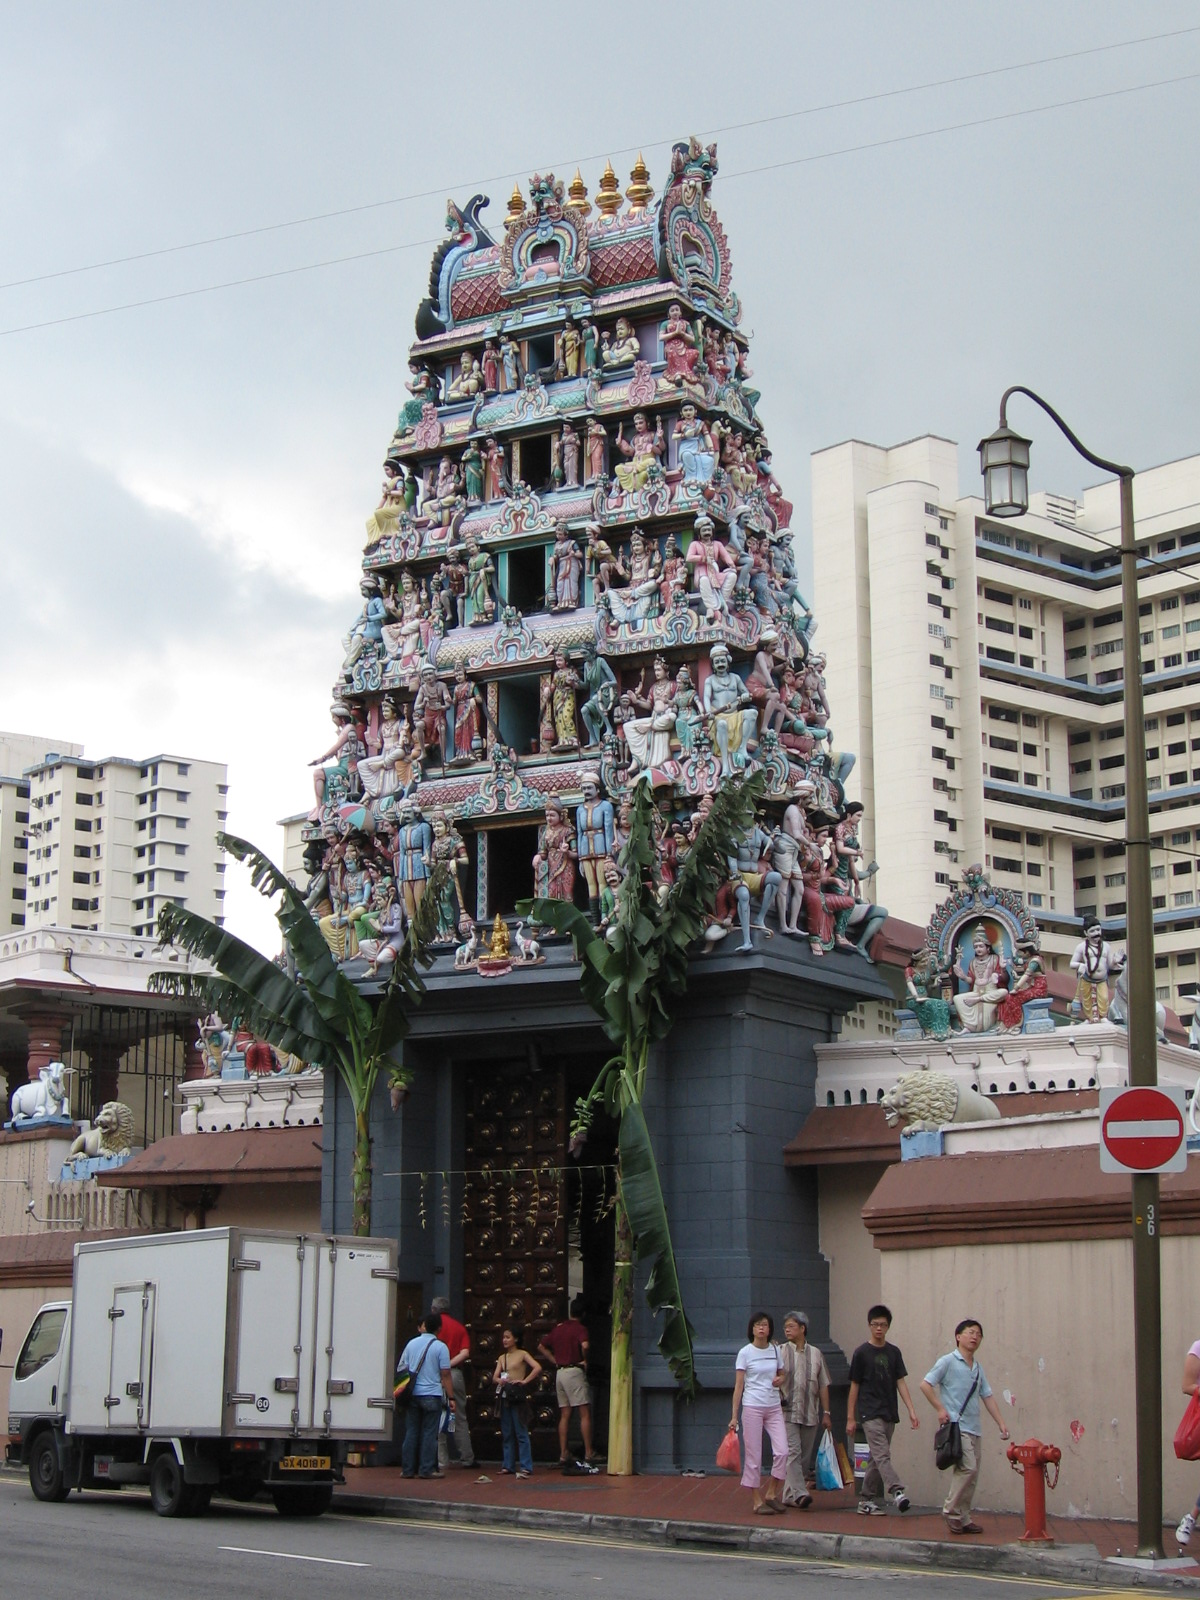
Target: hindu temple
point(580, 576)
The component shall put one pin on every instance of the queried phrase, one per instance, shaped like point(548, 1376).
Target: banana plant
point(631, 976)
point(317, 1016)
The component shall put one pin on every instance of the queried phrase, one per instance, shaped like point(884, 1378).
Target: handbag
point(947, 1441)
point(1187, 1434)
point(729, 1453)
point(405, 1379)
point(829, 1471)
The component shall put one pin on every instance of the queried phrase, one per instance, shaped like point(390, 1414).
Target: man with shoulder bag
point(428, 1360)
point(954, 1387)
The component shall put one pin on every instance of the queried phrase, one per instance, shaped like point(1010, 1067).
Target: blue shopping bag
point(829, 1474)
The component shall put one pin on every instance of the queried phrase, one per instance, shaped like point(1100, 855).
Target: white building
point(107, 843)
point(976, 667)
point(19, 751)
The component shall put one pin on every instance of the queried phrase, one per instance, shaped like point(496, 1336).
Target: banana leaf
point(647, 1213)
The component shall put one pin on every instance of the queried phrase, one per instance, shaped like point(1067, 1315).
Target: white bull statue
point(43, 1099)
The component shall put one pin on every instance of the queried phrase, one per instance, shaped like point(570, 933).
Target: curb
point(1069, 1564)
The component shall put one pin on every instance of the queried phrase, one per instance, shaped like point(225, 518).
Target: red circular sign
point(1142, 1129)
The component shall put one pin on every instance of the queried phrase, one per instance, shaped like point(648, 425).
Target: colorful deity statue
point(472, 468)
point(597, 446)
point(753, 876)
point(922, 982)
point(714, 570)
point(467, 381)
point(1093, 963)
point(689, 718)
point(332, 783)
point(594, 822)
point(728, 706)
point(405, 638)
point(638, 598)
point(350, 897)
point(468, 717)
point(590, 352)
point(414, 855)
point(602, 564)
point(554, 864)
point(481, 583)
point(986, 982)
point(510, 362)
point(450, 586)
point(495, 473)
point(366, 633)
point(381, 931)
point(449, 850)
point(389, 772)
point(764, 692)
point(694, 446)
point(433, 715)
point(679, 345)
point(558, 697)
point(566, 570)
point(570, 349)
point(599, 688)
point(649, 736)
point(643, 451)
point(623, 348)
point(1027, 981)
point(570, 456)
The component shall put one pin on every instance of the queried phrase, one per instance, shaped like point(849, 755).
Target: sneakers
point(871, 1508)
point(1185, 1529)
point(900, 1500)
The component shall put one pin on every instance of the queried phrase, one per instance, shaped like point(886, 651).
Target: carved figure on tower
point(727, 705)
point(643, 451)
point(594, 824)
point(468, 717)
point(566, 570)
point(714, 570)
point(554, 864)
point(694, 446)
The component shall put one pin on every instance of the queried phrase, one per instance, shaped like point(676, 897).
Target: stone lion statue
point(927, 1101)
point(110, 1135)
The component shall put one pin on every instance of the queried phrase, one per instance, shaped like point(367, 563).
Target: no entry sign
point(1141, 1130)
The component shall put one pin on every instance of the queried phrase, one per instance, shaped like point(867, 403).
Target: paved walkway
point(715, 1509)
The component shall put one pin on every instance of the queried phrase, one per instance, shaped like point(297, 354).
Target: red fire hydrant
point(1033, 1459)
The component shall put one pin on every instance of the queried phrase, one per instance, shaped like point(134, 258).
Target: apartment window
point(181, 849)
point(1112, 791)
point(1079, 738)
point(1108, 647)
point(1172, 632)
point(1074, 625)
point(1152, 752)
point(1181, 869)
point(1024, 604)
point(1185, 837)
point(937, 691)
point(1114, 880)
point(996, 743)
point(1025, 633)
point(1002, 714)
point(930, 510)
point(935, 600)
point(998, 624)
point(937, 661)
point(1000, 655)
point(1076, 652)
point(1029, 749)
point(1106, 763)
point(937, 722)
point(182, 768)
point(1170, 661)
point(1033, 868)
point(1158, 872)
point(1115, 908)
point(86, 799)
point(1177, 749)
point(1171, 601)
point(1005, 774)
point(1006, 864)
point(1185, 898)
point(1158, 902)
point(83, 825)
point(181, 822)
point(1009, 835)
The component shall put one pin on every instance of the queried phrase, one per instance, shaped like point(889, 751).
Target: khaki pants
point(462, 1428)
point(802, 1449)
point(880, 1475)
point(963, 1480)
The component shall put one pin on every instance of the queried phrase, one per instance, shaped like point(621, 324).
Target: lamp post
point(1004, 458)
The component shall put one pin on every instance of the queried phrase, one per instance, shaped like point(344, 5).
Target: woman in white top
point(759, 1378)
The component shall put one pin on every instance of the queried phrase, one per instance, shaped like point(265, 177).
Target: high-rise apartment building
point(108, 842)
point(977, 667)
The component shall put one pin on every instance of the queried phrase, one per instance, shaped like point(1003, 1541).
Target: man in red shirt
point(458, 1342)
point(567, 1346)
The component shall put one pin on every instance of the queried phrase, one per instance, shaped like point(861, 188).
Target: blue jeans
point(515, 1433)
point(419, 1452)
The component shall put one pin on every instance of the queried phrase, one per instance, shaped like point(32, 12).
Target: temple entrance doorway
point(537, 1231)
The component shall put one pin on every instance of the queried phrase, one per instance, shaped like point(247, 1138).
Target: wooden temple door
point(515, 1231)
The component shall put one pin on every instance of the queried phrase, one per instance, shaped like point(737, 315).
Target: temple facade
point(580, 576)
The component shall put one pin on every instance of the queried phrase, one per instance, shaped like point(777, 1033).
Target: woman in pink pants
point(760, 1376)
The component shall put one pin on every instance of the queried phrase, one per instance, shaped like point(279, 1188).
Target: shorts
point(571, 1386)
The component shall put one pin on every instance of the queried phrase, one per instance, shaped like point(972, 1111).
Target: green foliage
point(630, 977)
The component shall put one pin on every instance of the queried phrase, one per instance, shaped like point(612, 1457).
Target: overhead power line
point(775, 166)
point(731, 127)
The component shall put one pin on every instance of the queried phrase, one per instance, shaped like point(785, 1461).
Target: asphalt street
point(114, 1548)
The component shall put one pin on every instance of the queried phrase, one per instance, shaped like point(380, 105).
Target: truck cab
point(37, 1400)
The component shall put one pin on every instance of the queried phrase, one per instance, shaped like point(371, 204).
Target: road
point(113, 1547)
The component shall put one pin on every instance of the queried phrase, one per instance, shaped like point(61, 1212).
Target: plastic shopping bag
point(729, 1454)
point(1187, 1434)
point(829, 1474)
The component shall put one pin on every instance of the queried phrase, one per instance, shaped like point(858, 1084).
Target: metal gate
point(515, 1233)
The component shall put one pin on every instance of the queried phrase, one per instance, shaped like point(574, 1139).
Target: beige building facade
point(19, 752)
point(977, 667)
point(108, 843)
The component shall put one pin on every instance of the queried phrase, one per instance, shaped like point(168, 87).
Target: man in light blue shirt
point(954, 1387)
point(428, 1359)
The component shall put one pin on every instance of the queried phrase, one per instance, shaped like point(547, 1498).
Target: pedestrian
point(877, 1378)
point(427, 1358)
point(805, 1407)
point(515, 1372)
point(758, 1379)
point(954, 1386)
point(458, 1342)
point(566, 1345)
point(1191, 1381)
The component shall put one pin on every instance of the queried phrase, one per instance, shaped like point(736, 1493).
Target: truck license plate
point(305, 1464)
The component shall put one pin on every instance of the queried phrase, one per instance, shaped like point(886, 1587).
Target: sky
point(183, 485)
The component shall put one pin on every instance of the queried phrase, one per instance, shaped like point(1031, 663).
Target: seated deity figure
point(987, 986)
point(623, 346)
point(714, 570)
point(467, 381)
point(643, 450)
point(639, 598)
point(694, 446)
point(649, 736)
point(390, 770)
point(727, 705)
point(404, 639)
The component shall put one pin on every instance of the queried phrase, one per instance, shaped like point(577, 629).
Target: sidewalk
point(715, 1512)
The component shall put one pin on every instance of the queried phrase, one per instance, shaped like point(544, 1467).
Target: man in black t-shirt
point(877, 1377)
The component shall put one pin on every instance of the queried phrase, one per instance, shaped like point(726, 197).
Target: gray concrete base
point(1081, 1563)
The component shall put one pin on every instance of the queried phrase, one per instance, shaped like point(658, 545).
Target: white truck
point(227, 1359)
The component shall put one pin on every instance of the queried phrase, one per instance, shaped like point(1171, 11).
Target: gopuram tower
point(580, 575)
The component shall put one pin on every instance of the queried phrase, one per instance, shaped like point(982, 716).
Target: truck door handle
point(134, 1391)
point(287, 1385)
point(340, 1386)
point(233, 1399)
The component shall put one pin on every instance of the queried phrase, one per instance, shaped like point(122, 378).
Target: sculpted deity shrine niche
point(980, 969)
point(580, 574)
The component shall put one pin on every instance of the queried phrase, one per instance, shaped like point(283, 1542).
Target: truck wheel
point(304, 1500)
point(169, 1494)
point(45, 1469)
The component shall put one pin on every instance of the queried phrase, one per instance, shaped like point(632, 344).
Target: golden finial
point(639, 193)
point(516, 205)
point(577, 196)
point(608, 195)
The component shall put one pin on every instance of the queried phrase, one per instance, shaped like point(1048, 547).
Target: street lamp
point(1004, 457)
